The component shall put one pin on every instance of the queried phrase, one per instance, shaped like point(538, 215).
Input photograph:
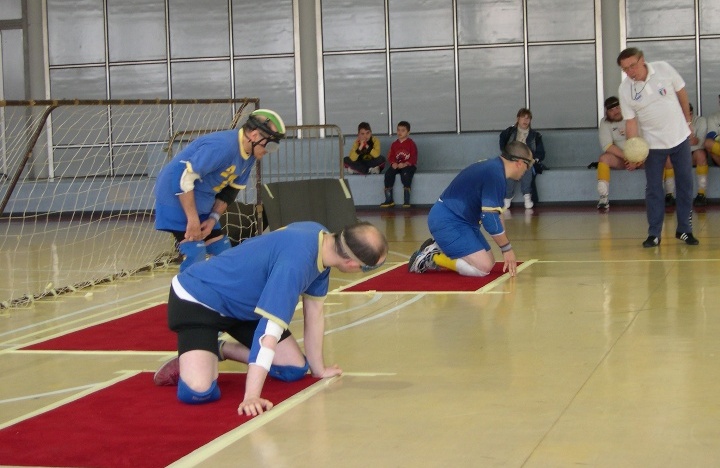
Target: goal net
point(76, 184)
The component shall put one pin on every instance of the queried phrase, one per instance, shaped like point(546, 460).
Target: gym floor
point(600, 353)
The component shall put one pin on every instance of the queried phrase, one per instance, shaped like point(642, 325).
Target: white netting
point(76, 181)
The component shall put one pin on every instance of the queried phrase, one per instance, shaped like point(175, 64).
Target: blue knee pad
point(288, 373)
point(194, 252)
point(191, 397)
point(219, 246)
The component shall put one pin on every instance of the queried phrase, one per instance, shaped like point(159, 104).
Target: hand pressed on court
point(331, 371)
point(510, 262)
point(254, 406)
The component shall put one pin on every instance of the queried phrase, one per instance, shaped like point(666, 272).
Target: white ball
point(636, 149)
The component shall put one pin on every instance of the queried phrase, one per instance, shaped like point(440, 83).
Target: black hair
point(404, 123)
point(364, 126)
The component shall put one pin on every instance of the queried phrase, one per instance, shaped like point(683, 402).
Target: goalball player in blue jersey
point(198, 184)
point(473, 198)
point(251, 292)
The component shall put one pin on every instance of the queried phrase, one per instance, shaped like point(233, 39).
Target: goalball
point(636, 149)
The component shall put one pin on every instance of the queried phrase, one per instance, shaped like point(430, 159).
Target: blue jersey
point(477, 188)
point(264, 276)
point(218, 160)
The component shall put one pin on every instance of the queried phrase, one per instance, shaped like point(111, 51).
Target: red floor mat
point(131, 423)
point(146, 330)
point(399, 279)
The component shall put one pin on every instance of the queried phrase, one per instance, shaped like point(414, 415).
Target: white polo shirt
point(655, 104)
point(713, 123)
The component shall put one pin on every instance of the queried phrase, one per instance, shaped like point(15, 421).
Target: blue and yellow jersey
point(478, 188)
point(264, 276)
point(218, 160)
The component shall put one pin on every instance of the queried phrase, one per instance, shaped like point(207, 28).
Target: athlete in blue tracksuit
point(251, 292)
point(475, 196)
point(196, 186)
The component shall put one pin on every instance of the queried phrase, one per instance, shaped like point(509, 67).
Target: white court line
point(206, 451)
point(77, 396)
point(46, 394)
point(68, 331)
point(85, 310)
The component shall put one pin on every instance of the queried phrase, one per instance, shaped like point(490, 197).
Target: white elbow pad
point(187, 180)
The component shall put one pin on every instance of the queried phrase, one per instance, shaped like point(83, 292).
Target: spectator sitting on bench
point(365, 157)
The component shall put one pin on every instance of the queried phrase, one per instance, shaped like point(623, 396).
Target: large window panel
point(489, 21)
point(563, 86)
point(433, 18)
point(262, 30)
point(660, 18)
point(709, 73)
point(270, 79)
point(353, 25)
point(501, 70)
point(423, 90)
point(138, 82)
point(680, 54)
point(356, 91)
point(709, 14)
point(13, 76)
point(560, 20)
point(136, 30)
point(201, 80)
point(78, 83)
point(76, 31)
point(199, 29)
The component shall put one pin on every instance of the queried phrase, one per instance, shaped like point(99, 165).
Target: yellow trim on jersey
point(271, 317)
point(243, 154)
point(314, 298)
point(321, 236)
point(490, 209)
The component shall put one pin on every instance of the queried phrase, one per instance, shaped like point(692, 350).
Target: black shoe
point(651, 241)
point(700, 200)
point(687, 237)
point(669, 200)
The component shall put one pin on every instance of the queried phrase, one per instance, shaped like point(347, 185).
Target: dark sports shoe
point(651, 241)
point(169, 373)
point(687, 237)
point(387, 204)
point(700, 200)
point(669, 200)
point(422, 260)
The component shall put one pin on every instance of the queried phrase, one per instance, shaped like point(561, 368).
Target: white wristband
point(215, 215)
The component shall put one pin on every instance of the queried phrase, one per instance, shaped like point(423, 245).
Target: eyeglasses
point(345, 252)
point(271, 144)
point(631, 66)
point(513, 158)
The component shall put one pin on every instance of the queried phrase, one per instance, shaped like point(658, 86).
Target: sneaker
point(528, 201)
point(651, 241)
point(506, 203)
point(374, 170)
point(604, 203)
point(700, 200)
point(669, 200)
point(422, 260)
point(687, 237)
point(407, 205)
point(387, 204)
point(168, 374)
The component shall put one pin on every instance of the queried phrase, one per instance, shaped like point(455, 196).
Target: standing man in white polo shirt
point(654, 102)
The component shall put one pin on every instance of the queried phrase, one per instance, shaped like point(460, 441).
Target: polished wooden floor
point(600, 353)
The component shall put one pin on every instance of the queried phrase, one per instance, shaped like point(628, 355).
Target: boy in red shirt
point(402, 160)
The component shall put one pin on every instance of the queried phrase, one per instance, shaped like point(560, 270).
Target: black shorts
point(197, 326)
point(180, 235)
